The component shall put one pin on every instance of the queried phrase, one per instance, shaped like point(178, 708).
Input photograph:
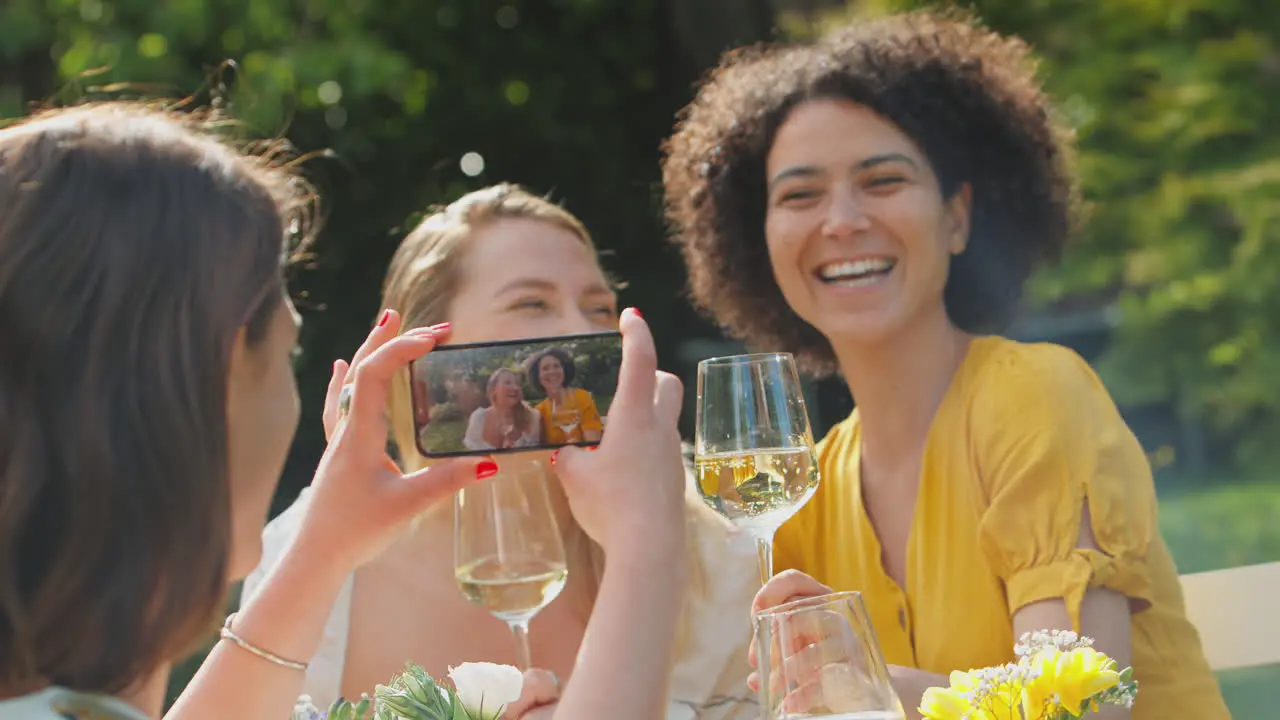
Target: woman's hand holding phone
point(630, 488)
point(360, 499)
point(628, 495)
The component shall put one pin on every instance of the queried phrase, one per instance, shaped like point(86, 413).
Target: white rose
point(486, 686)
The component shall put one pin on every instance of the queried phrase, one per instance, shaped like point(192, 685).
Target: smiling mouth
point(855, 273)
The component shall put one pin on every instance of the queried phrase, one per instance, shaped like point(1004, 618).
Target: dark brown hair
point(967, 96)
point(566, 365)
point(133, 248)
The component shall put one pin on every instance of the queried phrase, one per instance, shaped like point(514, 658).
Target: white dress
point(708, 681)
point(474, 439)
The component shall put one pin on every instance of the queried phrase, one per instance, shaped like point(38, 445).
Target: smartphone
point(514, 395)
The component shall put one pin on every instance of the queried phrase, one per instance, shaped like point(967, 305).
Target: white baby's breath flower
point(1062, 640)
point(486, 687)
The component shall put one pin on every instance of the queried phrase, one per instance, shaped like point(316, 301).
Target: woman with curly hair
point(569, 414)
point(874, 202)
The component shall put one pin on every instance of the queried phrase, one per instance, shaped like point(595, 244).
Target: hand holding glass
point(819, 658)
point(507, 550)
point(754, 450)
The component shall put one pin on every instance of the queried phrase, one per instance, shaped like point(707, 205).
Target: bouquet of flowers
point(1058, 675)
point(479, 691)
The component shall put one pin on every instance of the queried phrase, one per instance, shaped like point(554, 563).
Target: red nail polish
point(593, 448)
point(554, 456)
point(637, 312)
point(442, 327)
point(486, 469)
point(386, 315)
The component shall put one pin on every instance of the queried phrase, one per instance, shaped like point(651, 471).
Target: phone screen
point(514, 395)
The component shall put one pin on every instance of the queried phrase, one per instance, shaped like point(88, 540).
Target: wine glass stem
point(520, 629)
point(764, 548)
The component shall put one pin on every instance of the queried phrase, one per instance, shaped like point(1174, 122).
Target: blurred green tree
point(1175, 108)
point(414, 103)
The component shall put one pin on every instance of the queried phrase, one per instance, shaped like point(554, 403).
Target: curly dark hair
point(566, 362)
point(968, 97)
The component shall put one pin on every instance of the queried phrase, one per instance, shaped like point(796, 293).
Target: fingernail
point(593, 448)
point(637, 312)
point(386, 315)
point(336, 364)
point(442, 327)
point(555, 456)
point(486, 469)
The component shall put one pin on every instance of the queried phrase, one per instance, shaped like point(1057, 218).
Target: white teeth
point(857, 271)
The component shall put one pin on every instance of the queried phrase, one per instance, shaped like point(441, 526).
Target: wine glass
point(819, 658)
point(567, 421)
point(508, 555)
point(753, 448)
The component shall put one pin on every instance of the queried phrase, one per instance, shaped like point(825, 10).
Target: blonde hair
point(422, 281)
point(523, 414)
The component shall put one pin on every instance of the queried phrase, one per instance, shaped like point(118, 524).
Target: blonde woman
point(508, 421)
point(165, 502)
point(502, 264)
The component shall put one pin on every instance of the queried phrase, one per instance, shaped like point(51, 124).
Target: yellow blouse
point(1025, 436)
point(578, 407)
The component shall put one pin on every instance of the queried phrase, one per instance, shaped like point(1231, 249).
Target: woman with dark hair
point(148, 404)
point(874, 202)
point(569, 414)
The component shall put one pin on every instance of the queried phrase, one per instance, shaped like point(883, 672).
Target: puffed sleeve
point(1049, 441)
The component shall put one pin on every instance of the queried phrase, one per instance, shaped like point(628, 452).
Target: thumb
point(424, 487)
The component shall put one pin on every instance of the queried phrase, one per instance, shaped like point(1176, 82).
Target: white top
point(708, 682)
point(474, 439)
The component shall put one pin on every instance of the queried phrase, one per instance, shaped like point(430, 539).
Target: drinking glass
point(818, 658)
point(567, 421)
point(508, 555)
point(753, 448)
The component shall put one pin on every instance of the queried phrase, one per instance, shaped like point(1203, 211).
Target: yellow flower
point(962, 681)
point(1000, 703)
point(944, 704)
point(1073, 677)
point(976, 695)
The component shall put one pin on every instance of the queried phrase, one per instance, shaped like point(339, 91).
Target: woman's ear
point(958, 209)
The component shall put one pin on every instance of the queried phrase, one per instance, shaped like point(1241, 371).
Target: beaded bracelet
point(267, 655)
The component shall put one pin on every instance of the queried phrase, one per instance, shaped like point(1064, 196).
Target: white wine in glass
point(567, 421)
point(753, 450)
point(507, 549)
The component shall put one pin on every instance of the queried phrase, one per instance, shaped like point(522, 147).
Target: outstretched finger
point(330, 414)
point(372, 382)
point(387, 327)
point(637, 376)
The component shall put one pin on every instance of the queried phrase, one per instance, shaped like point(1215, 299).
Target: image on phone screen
point(514, 395)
